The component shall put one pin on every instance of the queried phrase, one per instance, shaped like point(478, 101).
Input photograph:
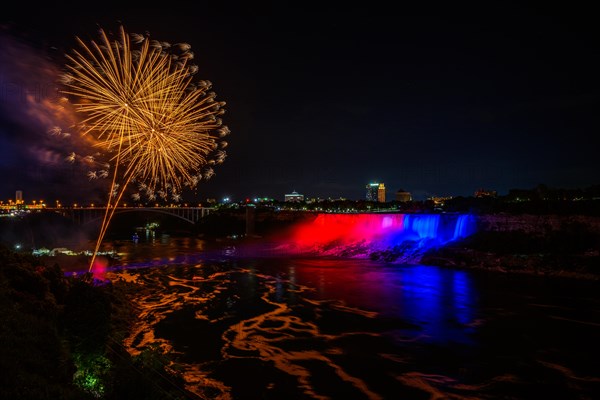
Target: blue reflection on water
point(441, 301)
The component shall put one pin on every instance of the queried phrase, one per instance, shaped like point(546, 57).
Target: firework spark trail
point(139, 102)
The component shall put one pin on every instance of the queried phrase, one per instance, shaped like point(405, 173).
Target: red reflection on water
point(99, 268)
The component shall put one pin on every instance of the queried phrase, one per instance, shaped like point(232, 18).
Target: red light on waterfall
point(361, 234)
point(328, 228)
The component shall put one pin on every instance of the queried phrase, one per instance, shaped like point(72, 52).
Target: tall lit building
point(19, 196)
point(372, 191)
point(381, 193)
point(375, 192)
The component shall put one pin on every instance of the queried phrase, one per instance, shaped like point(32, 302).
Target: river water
point(243, 327)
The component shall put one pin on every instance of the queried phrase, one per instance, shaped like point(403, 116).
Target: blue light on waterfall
point(465, 226)
point(425, 225)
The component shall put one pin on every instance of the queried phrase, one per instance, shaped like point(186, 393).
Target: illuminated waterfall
point(388, 236)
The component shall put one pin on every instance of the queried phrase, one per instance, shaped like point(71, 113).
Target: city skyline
point(375, 192)
point(324, 102)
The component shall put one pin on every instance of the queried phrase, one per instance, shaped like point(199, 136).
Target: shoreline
point(541, 265)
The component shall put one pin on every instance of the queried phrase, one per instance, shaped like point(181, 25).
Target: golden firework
point(140, 103)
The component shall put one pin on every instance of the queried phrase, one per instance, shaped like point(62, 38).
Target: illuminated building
point(439, 201)
point(372, 191)
point(294, 197)
point(375, 192)
point(403, 196)
point(381, 193)
point(485, 193)
point(19, 196)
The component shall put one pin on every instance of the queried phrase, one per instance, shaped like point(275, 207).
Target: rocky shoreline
point(581, 266)
point(543, 245)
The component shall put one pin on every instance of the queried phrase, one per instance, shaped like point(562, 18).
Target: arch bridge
point(84, 215)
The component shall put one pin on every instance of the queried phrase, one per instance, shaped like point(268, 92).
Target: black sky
point(324, 100)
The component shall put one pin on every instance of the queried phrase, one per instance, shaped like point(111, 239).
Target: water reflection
point(248, 328)
point(439, 302)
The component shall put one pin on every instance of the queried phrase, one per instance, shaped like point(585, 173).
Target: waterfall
point(389, 236)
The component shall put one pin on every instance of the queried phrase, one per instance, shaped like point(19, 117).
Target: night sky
point(323, 101)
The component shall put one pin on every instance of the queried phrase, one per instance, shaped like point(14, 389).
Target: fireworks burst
point(153, 123)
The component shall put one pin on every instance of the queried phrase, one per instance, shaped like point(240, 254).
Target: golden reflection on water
point(263, 336)
point(154, 301)
point(264, 333)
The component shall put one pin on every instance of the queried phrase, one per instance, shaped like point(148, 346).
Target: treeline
point(537, 206)
point(539, 200)
point(572, 238)
point(61, 338)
